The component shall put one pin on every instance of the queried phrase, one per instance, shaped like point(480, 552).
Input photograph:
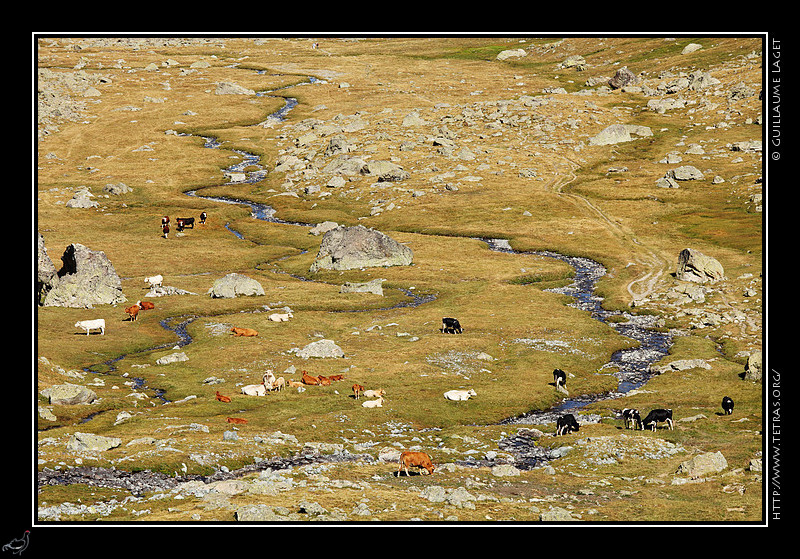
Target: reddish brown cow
point(145, 305)
point(418, 459)
point(244, 331)
point(222, 398)
point(357, 390)
point(133, 312)
point(308, 379)
point(237, 420)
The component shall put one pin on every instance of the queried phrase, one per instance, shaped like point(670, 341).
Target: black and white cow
point(657, 415)
point(560, 377)
point(632, 419)
point(727, 405)
point(203, 216)
point(566, 423)
point(184, 222)
point(451, 326)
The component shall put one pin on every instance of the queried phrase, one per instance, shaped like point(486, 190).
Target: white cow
point(154, 281)
point(373, 403)
point(256, 389)
point(280, 317)
point(459, 395)
point(92, 325)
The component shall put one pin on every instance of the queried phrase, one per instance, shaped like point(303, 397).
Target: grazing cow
point(133, 312)
point(566, 423)
point(237, 420)
point(419, 459)
point(222, 398)
point(280, 317)
point(631, 418)
point(560, 378)
point(373, 403)
point(727, 405)
point(154, 281)
point(203, 216)
point(451, 326)
point(97, 323)
point(357, 390)
point(459, 395)
point(244, 331)
point(145, 305)
point(184, 222)
point(656, 415)
point(308, 379)
point(279, 384)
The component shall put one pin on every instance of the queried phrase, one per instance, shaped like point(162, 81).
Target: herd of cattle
point(565, 424)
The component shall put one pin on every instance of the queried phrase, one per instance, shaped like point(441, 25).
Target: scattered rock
point(623, 77)
point(373, 286)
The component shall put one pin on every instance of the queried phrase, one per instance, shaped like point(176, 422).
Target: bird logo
point(18, 545)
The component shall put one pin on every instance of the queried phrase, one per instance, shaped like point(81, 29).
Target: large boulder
point(235, 285)
point(348, 248)
point(80, 442)
point(703, 464)
point(695, 266)
point(385, 171)
point(87, 278)
point(69, 394)
point(622, 78)
point(321, 349)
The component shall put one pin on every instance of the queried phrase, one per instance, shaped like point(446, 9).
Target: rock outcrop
point(87, 278)
point(695, 266)
point(348, 248)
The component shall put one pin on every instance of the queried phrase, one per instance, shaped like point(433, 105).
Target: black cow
point(631, 418)
point(183, 222)
point(451, 326)
point(727, 405)
point(560, 377)
point(656, 416)
point(566, 423)
point(203, 218)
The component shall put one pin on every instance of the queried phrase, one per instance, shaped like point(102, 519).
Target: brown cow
point(336, 377)
point(418, 459)
point(222, 398)
point(324, 381)
point(132, 312)
point(308, 379)
point(237, 420)
point(243, 331)
point(145, 305)
point(357, 390)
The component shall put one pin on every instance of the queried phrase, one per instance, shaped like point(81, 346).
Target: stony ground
point(489, 137)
